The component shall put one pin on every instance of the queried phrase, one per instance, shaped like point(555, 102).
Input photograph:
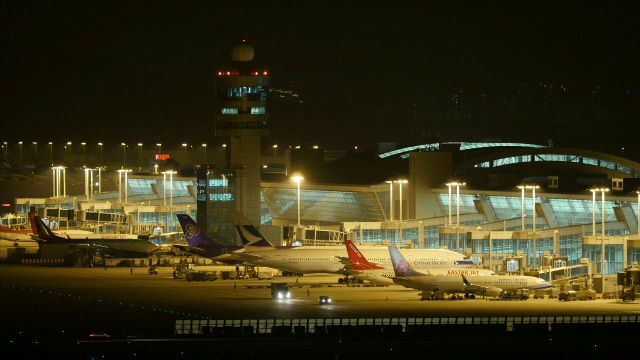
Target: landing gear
point(347, 280)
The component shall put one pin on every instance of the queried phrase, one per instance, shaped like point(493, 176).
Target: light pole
point(593, 214)
point(100, 144)
point(84, 152)
point(457, 184)
point(275, 152)
point(159, 147)
point(139, 153)
point(164, 185)
point(533, 215)
point(185, 152)
point(124, 155)
point(20, 143)
point(298, 178)
point(35, 145)
point(390, 182)
point(51, 152)
point(205, 152)
point(69, 149)
point(401, 182)
point(126, 185)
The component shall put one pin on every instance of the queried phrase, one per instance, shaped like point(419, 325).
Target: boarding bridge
point(565, 273)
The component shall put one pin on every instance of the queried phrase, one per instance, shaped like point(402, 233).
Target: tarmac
point(65, 305)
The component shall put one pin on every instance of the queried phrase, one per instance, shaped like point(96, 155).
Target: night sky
point(132, 71)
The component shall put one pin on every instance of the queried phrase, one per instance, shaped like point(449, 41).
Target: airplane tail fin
point(357, 260)
point(401, 266)
point(249, 234)
point(41, 229)
point(196, 237)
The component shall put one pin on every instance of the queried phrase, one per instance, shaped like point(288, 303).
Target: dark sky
point(142, 70)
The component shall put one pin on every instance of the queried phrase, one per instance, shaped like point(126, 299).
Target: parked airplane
point(199, 243)
point(7, 233)
point(108, 242)
point(472, 285)
point(362, 269)
point(332, 259)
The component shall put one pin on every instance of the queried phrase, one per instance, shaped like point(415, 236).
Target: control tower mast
point(242, 115)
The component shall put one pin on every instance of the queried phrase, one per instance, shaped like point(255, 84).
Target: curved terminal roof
point(505, 154)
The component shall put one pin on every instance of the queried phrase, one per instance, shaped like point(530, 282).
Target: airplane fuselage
point(456, 284)
point(385, 276)
point(332, 260)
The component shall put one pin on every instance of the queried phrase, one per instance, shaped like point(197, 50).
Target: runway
point(125, 304)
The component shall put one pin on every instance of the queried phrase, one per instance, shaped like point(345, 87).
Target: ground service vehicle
point(201, 276)
point(153, 270)
point(567, 295)
point(515, 294)
point(181, 270)
point(432, 295)
point(280, 291)
point(573, 295)
point(551, 292)
point(324, 300)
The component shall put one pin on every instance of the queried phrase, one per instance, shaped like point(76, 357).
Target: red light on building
point(162, 157)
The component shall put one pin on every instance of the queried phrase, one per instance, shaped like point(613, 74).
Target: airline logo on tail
point(357, 261)
point(401, 266)
point(191, 231)
point(249, 235)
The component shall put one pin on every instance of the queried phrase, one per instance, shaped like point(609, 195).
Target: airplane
point(199, 243)
point(21, 234)
point(108, 242)
point(362, 269)
point(472, 285)
point(331, 259)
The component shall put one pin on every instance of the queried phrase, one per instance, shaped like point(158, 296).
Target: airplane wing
point(347, 263)
point(479, 289)
point(190, 249)
point(242, 256)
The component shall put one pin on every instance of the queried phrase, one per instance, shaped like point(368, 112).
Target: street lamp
point(84, 152)
point(593, 214)
point(533, 215)
point(185, 152)
point(159, 147)
point(20, 143)
point(457, 185)
point(401, 182)
point(35, 145)
point(139, 153)
point(51, 152)
point(298, 178)
point(100, 144)
point(205, 152)
point(124, 155)
point(275, 152)
point(126, 185)
point(164, 185)
point(390, 182)
point(69, 150)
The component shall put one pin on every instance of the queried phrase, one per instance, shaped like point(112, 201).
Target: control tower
point(242, 116)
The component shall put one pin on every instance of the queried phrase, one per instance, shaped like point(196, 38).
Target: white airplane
point(8, 233)
point(331, 259)
point(128, 243)
point(362, 269)
point(489, 285)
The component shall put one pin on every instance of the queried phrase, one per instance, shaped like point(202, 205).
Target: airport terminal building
point(512, 205)
point(489, 200)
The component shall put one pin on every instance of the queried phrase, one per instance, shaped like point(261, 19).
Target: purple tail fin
point(196, 237)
